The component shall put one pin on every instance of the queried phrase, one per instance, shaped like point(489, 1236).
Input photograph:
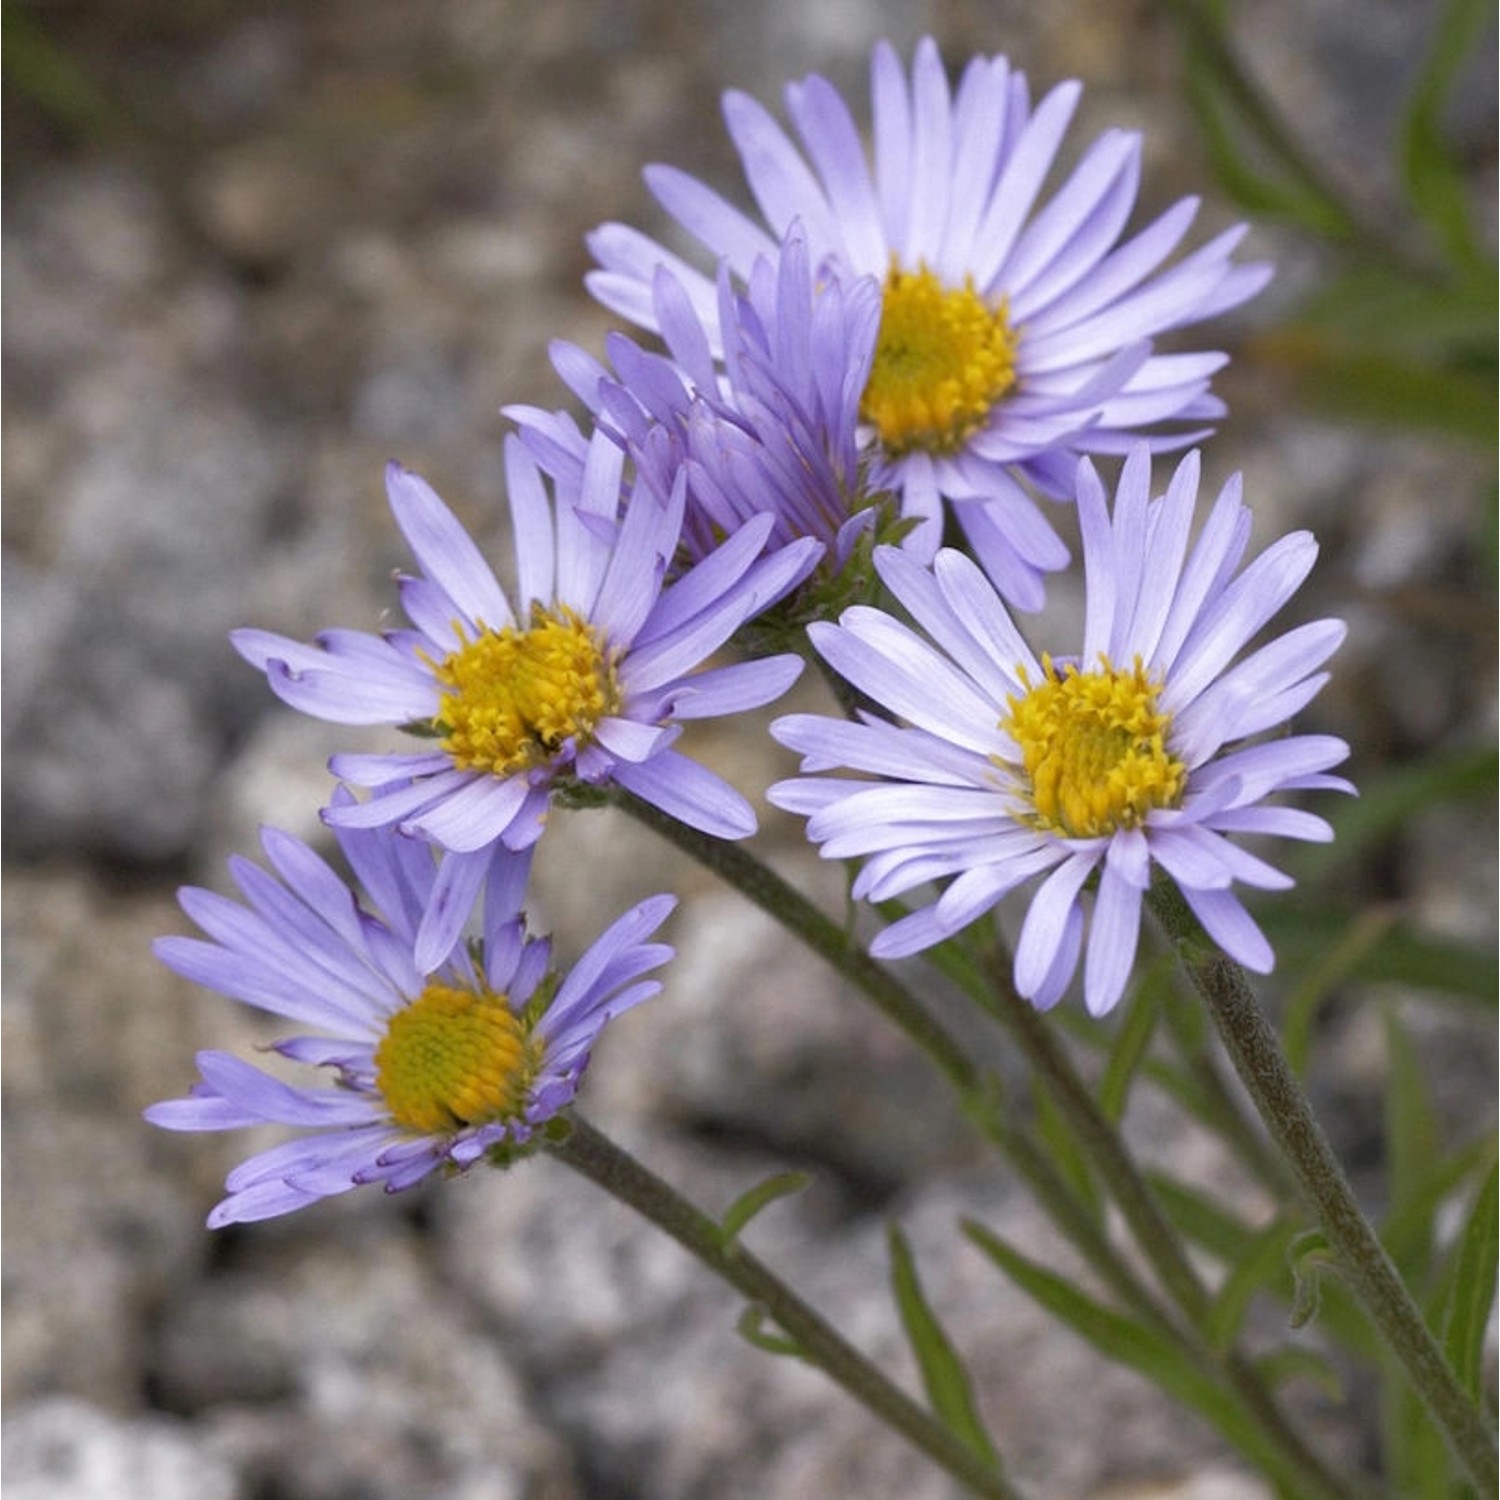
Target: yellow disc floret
point(454, 1057)
point(944, 357)
point(1094, 748)
point(515, 697)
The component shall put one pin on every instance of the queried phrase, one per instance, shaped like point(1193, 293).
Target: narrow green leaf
point(1406, 1231)
point(1435, 321)
point(1129, 1050)
point(1061, 1145)
point(1261, 1268)
point(754, 1327)
point(1416, 1456)
point(1322, 977)
point(1349, 379)
point(1128, 1342)
point(943, 1373)
point(1204, 1221)
point(1303, 929)
point(753, 1200)
point(52, 78)
point(1411, 1131)
point(1432, 178)
point(1223, 134)
point(1471, 1290)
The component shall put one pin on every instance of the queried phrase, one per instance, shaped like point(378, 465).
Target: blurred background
point(251, 252)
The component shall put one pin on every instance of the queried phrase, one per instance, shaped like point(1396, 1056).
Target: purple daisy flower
point(432, 1068)
point(589, 677)
point(1013, 338)
point(775, 432)
point(1140, 750)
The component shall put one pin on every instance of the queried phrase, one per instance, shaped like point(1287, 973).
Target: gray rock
point(65, 1449)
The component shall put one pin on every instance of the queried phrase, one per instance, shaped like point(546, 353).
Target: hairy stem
point(1256, 1052)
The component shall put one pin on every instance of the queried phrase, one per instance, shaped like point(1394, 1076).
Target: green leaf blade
point(949, 1391)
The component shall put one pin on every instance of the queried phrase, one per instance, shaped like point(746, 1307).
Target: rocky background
point(251, 252)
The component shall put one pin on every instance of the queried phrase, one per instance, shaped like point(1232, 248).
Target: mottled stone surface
point(252, 252)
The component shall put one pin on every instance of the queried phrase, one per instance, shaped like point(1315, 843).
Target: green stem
point(1256, 1052)
point(734, 864)
point(596, 1157)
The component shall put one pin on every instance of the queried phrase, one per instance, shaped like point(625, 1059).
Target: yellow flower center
point(516, 696)
point(1094, 748)
point(944, 357)
point(454, 1057)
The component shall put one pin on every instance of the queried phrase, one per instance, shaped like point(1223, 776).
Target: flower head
point(586, 676)
point(433, 1069)
point(1140, 750)
point(1013, 336)
point(775, 432)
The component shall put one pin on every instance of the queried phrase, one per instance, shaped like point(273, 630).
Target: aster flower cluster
point(904, 355)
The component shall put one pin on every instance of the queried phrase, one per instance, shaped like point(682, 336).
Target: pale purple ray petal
point(885, 660)
point(241, 976)
point(442, 628)
point(627, 740)
point(533, 527)
point(1100, 577)
point(200, 1111)
point(833, 144)
point(973, 600)
point(311, 878)
point(827, 744)
point(399, 802)
point(1222, 536)
point(1020, 182)
point(444, 549)
point(783, 185)
point(473, 815)
point(918, 589)
point(911, 934)
point(1190, 857)
point(709, 218)
point(703, 585)
point(1053, 233)
point(1092, 239)
point(735, 688)
point(891, 113)
point(1047, 918)
point(1117, 272)
point(449, 906)
point(1057, 979)
point(267, 1201)
point(356, 698)
point(1114, 932)
point(377, 770)
point(1232, 928)
point(1230, 620)
point(690, 793)
point(581, 989)
point(280, 1103)
point(932, 157)
point(1284, 822)
point(1128, 532)
point(1171, 521)
point(979, 122)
